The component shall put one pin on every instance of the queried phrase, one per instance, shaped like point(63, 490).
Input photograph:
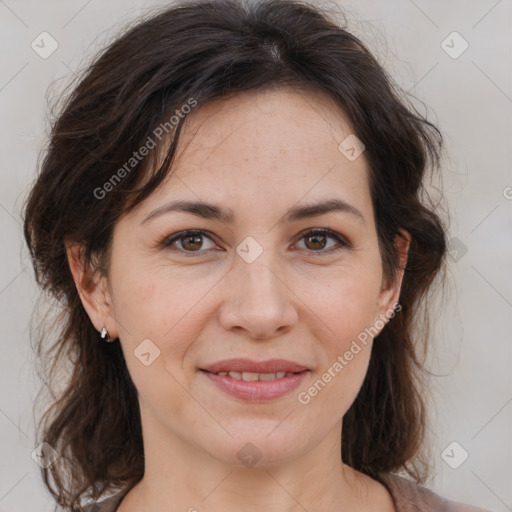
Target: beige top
point(408, 497)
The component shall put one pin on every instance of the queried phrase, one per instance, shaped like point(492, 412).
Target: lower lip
point(257, 391)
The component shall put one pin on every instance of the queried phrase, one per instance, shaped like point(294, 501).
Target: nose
point(258, 301)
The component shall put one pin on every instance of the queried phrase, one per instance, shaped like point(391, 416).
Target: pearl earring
point(104, 335)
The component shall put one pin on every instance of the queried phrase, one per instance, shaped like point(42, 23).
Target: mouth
point(255, 376)
point(255, 381)
point(249, 367)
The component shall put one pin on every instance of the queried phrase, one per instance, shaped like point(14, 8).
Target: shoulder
point(411, 497)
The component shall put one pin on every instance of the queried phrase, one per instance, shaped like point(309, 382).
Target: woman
point(231, 215)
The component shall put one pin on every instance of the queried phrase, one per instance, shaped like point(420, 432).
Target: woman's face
point(258, 285)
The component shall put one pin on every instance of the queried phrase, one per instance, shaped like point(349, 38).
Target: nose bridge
point(258, 299)
point(259, 282)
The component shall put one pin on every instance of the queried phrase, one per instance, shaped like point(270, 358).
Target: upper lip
point(248, 365)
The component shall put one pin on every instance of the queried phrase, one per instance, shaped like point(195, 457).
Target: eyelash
point(342, 242)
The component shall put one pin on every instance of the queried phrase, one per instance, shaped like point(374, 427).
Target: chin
point(259, 449)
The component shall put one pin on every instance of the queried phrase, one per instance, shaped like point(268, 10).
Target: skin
point(258, 154)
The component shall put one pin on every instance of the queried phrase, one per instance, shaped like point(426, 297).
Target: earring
point(104, 335)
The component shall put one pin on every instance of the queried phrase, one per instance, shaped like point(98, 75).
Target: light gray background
point(470, 97)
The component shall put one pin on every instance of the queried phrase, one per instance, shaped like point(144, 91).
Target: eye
point(316, 240)
point(191, 241)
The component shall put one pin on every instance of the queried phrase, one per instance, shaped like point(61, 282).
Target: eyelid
point(343, 242)
point(325, 231)
point(167, 241)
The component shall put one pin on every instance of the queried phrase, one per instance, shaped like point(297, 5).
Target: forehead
point(268, 144)
point(257, 116)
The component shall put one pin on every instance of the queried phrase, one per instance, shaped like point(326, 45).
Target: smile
point(253, 376)
point(256, 387)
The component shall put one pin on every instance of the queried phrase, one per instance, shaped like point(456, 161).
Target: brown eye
point(192, 242)
point(189, 242)
point(315, 242)
point(318, 241)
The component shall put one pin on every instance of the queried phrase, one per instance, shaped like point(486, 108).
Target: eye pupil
point(319, 241)
point(195, 241)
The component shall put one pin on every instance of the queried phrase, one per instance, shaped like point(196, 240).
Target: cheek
point(164, 308)
point(346, 308)
point(151, 302)
point(346, 303)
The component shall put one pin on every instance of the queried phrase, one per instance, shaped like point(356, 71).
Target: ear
point(390, 292)
point(93, 290)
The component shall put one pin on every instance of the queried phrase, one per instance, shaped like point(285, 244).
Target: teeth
point(253, 376)
point(249, 376)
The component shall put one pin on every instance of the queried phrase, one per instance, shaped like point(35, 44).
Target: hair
point(193, 53)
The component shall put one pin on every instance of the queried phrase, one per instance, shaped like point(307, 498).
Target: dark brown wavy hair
point(208, 50)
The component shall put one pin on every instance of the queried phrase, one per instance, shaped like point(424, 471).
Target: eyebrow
point(214, 212)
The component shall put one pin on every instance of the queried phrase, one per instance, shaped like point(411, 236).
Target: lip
point(248, 365)
point(257, 391)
